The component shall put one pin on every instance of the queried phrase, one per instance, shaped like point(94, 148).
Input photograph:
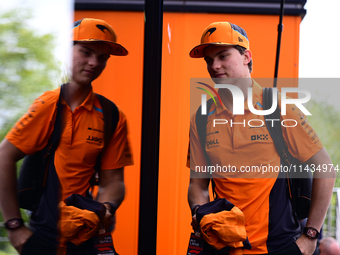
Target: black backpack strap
point(55, 137)
point(299, 182)
point(275, 131)
point(273, 127)
point(34, 170)
point(111, 118)
point(201, 126)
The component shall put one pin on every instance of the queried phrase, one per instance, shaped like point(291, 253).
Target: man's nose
point(215, 65)
point(93, 61)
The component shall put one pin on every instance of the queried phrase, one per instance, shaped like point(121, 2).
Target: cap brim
point(197, 52)
point(116, 48)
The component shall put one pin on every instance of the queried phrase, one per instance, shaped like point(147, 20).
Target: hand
point(307, 246)
point(19, 237)
point(194, 224)
point(109, 221)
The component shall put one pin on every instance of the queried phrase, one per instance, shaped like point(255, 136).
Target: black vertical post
point(150, 127)
point(278, 47)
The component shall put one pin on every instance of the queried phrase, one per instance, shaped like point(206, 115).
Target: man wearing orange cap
point(81, 142)
point(269, 219)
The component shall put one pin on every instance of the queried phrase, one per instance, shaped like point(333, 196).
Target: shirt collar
point(257, 95)
point(89, 101)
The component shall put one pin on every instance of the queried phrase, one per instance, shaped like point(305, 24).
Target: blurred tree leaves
point(325, 120)
point(27, 69)
point(27, 66)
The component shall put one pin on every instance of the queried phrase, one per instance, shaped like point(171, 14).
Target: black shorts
point(292, 249)
point(36, 246)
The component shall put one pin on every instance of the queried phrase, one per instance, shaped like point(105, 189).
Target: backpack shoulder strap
point(111, 117)
point(57, 130)
point(36, 167)
point(274, 129)
point(299, 183)
point(201, 126)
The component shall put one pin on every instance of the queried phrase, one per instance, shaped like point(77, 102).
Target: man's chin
point(224, 80)
point(231, 81)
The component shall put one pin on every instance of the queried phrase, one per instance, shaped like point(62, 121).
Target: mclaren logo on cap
point(211, 30)
point(77, 23)
point(240, 39)
point(102, 28)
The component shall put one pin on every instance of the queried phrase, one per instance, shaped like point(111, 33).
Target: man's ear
point(247, 56)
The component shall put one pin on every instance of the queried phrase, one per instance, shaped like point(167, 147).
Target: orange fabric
point(223, 229)
point(241, 146)
point(76, 225)
point(81, 141)
point(92, 30)
point(219, 33)
point(236, 252)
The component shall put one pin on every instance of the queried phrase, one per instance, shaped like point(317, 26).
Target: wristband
point(311, 233)
point(14, 224)
point(112, 209)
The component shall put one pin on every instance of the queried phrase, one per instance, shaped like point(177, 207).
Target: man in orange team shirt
point(76, 155)
point(269, 220)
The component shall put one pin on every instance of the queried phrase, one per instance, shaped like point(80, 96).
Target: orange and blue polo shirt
point(244, 147)
point(81, 141)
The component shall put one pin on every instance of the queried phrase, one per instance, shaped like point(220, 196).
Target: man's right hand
point(19, 237)
point(194, 223)
point(198, 194)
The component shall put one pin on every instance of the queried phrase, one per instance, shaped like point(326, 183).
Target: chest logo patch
point(213, 143)
point(259, 137)
point(94, 140)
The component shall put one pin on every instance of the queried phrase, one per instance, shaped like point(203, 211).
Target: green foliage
point(326, 121)
point(27, 66)
point(9, 250)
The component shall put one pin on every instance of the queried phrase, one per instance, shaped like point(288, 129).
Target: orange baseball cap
point(221, 33)
point(97, 30)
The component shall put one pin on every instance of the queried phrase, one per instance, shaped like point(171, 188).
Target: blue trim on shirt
point(210, 113)
point(98, 109)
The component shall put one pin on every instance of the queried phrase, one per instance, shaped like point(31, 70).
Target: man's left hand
point(307, 246)
point(109, 221)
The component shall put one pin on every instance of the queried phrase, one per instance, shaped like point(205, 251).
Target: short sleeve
point(33, 130)
point(302, 140)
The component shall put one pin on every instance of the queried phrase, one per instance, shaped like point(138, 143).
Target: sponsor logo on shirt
point(94, 140)
point(97, 130)
point(212, 143)
point(261, 137)
point(212, 133)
